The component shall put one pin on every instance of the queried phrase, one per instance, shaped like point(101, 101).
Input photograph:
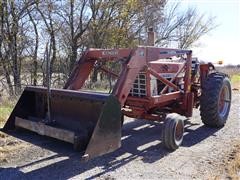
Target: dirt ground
point(204, 154)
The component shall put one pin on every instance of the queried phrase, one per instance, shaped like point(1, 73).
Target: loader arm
point(85, 65)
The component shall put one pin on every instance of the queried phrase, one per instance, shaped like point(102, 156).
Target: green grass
point(5, 111)
point(235, 81)
point(235, 78)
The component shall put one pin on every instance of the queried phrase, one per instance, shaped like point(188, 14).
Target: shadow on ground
point(140, 139)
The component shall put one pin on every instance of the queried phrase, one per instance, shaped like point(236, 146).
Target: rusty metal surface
point(110, 54)
point(162, 79)
point(155, 53)
point(129, 73)
point(107, 133)
point(45, 130)
point(68, 107)
point(81, 118)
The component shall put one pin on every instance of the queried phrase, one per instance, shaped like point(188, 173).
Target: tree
point(183, 29)
point(3, 53)
point(193, 28)
point(13, 40)
point(47, 10)
point(75, 20)
point(117, 23)
point(35, 53)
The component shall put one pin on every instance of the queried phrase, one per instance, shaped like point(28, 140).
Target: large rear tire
point(122, 120)
point(215, 100)
point(173, 131)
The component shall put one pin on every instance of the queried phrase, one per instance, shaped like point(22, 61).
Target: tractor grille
point(139, 86)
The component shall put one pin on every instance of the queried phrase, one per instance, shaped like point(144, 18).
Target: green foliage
point(235, 78)
point(119, 23)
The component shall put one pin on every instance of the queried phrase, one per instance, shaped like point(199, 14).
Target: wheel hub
point(179, 131)
point(224, 101)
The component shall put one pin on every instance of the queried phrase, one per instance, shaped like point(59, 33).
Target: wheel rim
point(179, 131)
point(224, 102)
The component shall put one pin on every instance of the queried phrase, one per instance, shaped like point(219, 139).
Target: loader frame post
point(188, 95)
point(129, 73)
point(48, 69)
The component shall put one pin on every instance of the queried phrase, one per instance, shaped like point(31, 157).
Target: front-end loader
point(157, 84)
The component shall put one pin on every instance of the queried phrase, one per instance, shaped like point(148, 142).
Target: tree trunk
point(16, 68)
point(7, 76)
point(95, 75)
point(73, 57)
point(54, 50)
point(16, 64)
point(35, 63)
point(3, 59)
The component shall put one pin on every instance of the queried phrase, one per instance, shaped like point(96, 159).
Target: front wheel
point(173, 131)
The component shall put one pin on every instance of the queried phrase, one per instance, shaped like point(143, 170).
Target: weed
point(6, 107)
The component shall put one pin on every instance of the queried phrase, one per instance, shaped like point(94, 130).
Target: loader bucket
point(90, 121)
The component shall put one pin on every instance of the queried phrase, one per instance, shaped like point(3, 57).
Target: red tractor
point(157, 84)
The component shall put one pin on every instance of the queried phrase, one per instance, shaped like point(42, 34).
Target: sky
point(222, 43)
